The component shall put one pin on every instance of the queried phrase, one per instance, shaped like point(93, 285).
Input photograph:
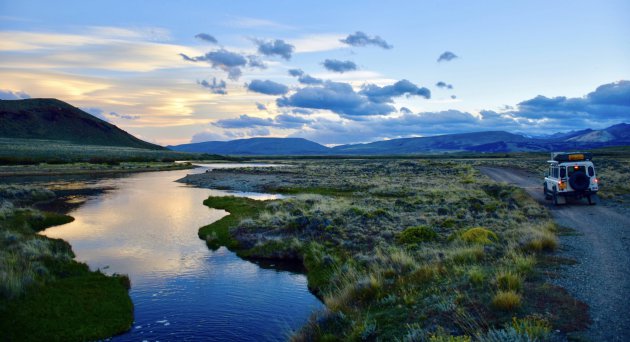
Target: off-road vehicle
point(570, 174)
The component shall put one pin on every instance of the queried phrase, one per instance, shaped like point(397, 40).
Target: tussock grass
point(506, 300)
point(44, 293)
point(416, 248)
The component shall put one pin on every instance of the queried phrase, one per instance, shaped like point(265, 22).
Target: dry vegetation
point(413, 250)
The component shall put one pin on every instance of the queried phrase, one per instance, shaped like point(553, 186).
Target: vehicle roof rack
point(571, 156)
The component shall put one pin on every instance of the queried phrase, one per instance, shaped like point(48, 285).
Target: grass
point(15, 151)
point(44, 293)
point(422, 248)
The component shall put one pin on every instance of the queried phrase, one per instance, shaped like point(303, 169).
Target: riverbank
point(44, 293)
point(44, 169)
point(402, 249)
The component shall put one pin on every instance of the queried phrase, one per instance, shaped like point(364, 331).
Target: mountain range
point(484, 142)
point(52, 119)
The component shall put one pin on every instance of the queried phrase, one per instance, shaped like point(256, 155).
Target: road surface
point(601, 278)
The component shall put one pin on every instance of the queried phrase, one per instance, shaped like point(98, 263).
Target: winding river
point(146, 226)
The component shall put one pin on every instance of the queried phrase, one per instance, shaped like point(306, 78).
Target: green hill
point(52, 119)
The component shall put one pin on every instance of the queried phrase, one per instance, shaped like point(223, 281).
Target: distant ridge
point(256, 146)
point(479, 142)
point(52, 119)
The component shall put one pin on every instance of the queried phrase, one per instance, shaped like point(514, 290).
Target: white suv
point(570, 175)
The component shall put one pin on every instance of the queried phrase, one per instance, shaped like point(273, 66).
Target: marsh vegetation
point(402, 249)
point(44, 293)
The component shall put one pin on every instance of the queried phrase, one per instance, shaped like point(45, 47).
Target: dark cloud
point(282, 121)
point(101, 114)
point(13, 95)
point(255, 62)
point(608, 101)
point(405, 110)
point(308, 79)
point(444, 85)
point(244, 121)
point(385, 94)
point(337, 97)
point(290, 121)
point(214, 87)
point(361, 39)
point(267, 87)
point(230, 62)
point(296, 72)
point(260, 106)
point(206, 37)
point(276, 47)
point(304, 78)
point(447, 56)
point(339, 66)
point(453, 97)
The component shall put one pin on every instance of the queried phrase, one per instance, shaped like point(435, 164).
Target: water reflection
point(147, 227)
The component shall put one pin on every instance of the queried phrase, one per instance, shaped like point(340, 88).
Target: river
point(146, 226)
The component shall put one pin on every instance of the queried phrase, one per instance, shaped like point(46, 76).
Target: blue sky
point(120, 60)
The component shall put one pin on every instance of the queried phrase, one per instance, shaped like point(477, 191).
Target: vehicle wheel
point(546, 192)
point(555, 197)
point(591, 200)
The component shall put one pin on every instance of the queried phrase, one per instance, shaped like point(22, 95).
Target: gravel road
point(601, 247)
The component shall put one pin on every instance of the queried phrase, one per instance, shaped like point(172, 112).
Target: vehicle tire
point(591, 200)
point(555, 197)
point(579, 181)
point(546, 192)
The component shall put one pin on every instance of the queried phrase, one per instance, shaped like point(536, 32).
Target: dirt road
point(601, 246)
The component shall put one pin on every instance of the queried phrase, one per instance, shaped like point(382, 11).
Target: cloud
point(208, 136)
point(101, 114)
point(288, 121)
point(255, 62)
point(447, 56)
point(276, 47)
point(444, 85)
point(304, 78)
point(260, 106)
point(385, 94)
point(361, 39)
point(337, 97)
point(308, 79)
point(13, 95)
point(339, 66)
point(405, 110)
point(608, 101)
point(214, 87)
point(267, 87)
point(230, 62)
point(206, 37)
point(244, 121)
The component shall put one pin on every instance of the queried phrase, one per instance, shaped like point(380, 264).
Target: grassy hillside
point(52, 119)
point(32, 151)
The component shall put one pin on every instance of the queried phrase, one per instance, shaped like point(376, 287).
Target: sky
point(334, 72)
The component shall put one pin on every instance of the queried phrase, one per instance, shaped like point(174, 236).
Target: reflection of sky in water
point(147, 228)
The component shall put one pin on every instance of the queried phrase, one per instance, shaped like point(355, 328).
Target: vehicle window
point(576, 168)
point(555, 172)
point(563, 172)
point(591, 171)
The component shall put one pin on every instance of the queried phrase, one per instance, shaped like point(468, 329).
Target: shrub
point(535, 327)
point(506, 300)
point(480, 236)
point(417, 234)
point(509, 281)
point(476, 276)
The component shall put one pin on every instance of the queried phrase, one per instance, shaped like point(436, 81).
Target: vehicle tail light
point(596, 180)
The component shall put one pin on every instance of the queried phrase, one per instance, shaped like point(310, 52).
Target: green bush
point(417, 234)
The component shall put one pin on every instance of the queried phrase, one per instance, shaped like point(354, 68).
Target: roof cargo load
point(561, 157)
